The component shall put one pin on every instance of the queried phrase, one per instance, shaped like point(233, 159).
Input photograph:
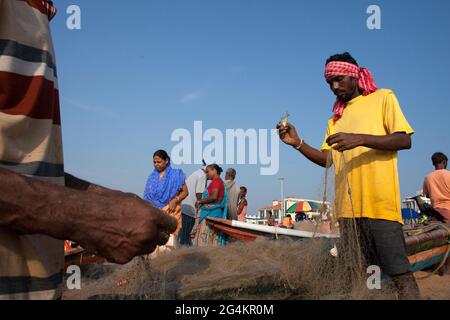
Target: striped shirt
point(30, 141)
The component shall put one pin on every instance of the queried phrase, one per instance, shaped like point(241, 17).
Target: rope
point(422, 229)
point(325, 193)
point(355, 229)
point(81, 258)
point(447, 252)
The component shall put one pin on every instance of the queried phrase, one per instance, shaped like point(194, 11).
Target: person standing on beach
point(437, 185)
point(362, 140)
point(213, 205)
point(233, 193)
point(196, 184)
point(166, 189)
point(242, 205)
point(40, 204)
point(270, 220)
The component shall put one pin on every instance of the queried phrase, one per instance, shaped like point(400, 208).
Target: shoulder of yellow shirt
point(379, 92)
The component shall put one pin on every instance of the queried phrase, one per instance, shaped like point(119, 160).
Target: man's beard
point(345, 98)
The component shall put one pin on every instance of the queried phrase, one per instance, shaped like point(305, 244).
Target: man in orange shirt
point(287, 222)
point(437, 185)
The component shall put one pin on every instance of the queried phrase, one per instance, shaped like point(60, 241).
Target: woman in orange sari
point(165, 189)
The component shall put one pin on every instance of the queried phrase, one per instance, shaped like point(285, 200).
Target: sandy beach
point(434, 287)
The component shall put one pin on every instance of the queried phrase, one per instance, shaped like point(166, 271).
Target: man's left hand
point(345, 141)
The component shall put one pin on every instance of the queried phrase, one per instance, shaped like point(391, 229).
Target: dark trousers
point(382, 243)
point(184, 237)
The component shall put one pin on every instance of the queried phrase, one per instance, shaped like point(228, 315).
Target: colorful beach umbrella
point(315, 206)
point(302, 206)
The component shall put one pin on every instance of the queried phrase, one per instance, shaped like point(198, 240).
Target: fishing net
point(264, 269)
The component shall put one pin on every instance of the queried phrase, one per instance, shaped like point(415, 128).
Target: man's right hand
point(128, 215)
point(288, 134)
point(121, 226)
point(118, 226)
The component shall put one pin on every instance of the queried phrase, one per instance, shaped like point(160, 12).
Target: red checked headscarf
point(365, 81)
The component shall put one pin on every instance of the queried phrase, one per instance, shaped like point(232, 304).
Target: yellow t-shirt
point(372, 174)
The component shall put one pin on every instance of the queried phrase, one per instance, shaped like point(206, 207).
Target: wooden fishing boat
point(249, 232)
point(429, 258)
point(424, 250)
point(428, 248)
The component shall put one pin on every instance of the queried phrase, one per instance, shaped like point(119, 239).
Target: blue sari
point(160, 192)
point(214, 211)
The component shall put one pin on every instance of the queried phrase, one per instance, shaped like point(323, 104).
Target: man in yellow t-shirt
point(363, 137)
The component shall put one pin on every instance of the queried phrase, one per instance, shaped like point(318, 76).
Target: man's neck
point(355, 95)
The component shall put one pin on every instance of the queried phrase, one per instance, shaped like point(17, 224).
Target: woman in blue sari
point(213, 204)
point(166, 188)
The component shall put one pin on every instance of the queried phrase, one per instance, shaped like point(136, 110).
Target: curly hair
point(344, 57)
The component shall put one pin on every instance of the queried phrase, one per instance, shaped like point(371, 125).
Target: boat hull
point(250, 232)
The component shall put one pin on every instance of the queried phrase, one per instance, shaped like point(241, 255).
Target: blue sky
point(135, 73)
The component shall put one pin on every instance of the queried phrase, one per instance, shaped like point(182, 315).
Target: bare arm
point(425, 191)
point(212, 198)
point(391, 142)
point(178, 198)
point(118, 226)
point(73, 182)
point(318, 157)
point(241, 206)
point(26, 208)
point(344, 141)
